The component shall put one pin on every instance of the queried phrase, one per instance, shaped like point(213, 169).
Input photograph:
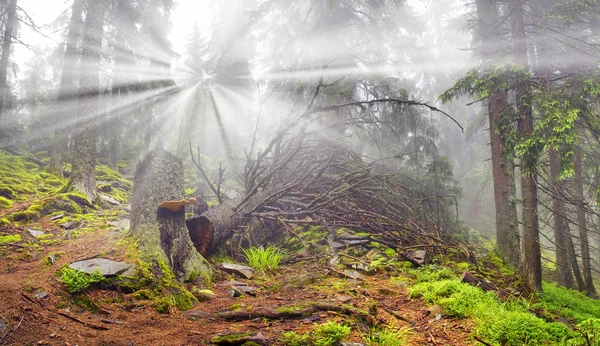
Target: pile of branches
point(305, 179)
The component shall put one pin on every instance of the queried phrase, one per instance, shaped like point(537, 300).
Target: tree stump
point(161, 232)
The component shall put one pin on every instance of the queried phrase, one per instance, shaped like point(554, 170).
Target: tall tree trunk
point(582, 224)
point(66, 107)
point(9, 27)
point(574, 264)
point(507, 233)
point(533, 263)
point(560, 223)
point(83, 177)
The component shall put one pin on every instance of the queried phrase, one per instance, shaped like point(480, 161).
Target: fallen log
point(472, 280)
point(290, 312)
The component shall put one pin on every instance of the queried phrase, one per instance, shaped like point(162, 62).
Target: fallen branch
point(292, 312)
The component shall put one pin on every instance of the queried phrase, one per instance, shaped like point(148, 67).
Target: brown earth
point(119, 319)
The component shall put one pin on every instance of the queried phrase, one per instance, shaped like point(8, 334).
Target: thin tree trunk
point(11, 15)
point(582, 224)
point(560, 224)
point(533, 264)
point(507, 233)
point(83, 177)
point(66, 101)
point(574, 264)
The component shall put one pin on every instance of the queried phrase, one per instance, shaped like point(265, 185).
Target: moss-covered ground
point(393, 304)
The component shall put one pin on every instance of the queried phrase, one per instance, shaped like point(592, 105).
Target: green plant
point(295, 339)
point(569, 303)
point(329, 334)
point(263, 259)
point(386, 337)
point(590, 333)
point(76, 281)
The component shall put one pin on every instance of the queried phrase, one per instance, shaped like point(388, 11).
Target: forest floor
point(36, 309)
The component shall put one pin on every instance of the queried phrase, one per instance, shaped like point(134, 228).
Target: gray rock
point(3, 327)
point(122, 224)
point(40, 294)
point(238, 269)
point(36, 233)
point(351, 344)
point(247, 290)
point(234, 292)
point(109, 200)
point(105, 266)
point(352, 274)
point(195, 314)
point(71, 224)
point(203, 295)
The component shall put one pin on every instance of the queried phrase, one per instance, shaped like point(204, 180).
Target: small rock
point(203, 295)
point(56, 217)
point(71, 225)
point(352, 274)
point(234, 291)
point(3, 327)
point(351, 344)
point(418, 255)
point(311, 319)
point(105, 266)
point(195, 314)
point(109, 200)
point(343, 299)
point(232, 283)
point(40, 294)
point(436, 310)
point(247, 290)
point(36, 233)
point(122, 224)
point(334, 261)
point(238, 269)
point(52, 258)
point(53, 335)
point(372, 253)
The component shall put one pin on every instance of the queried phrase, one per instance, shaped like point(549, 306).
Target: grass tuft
point(261, 259)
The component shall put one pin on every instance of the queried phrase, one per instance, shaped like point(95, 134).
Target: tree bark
point(560, 223)
point(507, 232)
point(582, 225)
point(161, 233)
point(9, 27)
point(67, 101)
point(533, 264)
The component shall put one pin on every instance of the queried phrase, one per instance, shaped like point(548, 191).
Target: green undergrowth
point(327, 334)
point(573, 305)
point(19, 177)
point(386, 337)
point(264, 259)
point(76, 281)
point(504, 323)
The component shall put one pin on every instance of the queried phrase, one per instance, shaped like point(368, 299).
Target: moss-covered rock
point(23, 215)
point(7, 192)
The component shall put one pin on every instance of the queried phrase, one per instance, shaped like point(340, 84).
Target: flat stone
point(109, 200)
point(40, 294)
point(71, 225)
point(352, 274)
point(238, 269)
point(343, 299)
point(105, 266)
point(234, 292)
point(232, 283)
point(195, 314)
point(247, 290)
point(36, 233)
point(122, 224)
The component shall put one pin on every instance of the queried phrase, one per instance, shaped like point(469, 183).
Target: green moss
point(24, 215)
point(496, 322)
point(4, 222)
point(76, 281)
point(7, 192)
point(5, 203)
point(10, 238)
point(568, 303)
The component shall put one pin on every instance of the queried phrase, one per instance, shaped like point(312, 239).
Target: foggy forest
point(299, 172)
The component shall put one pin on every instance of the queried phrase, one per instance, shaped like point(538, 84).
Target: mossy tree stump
point(161, 233)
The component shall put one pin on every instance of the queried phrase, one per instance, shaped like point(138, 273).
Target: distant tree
point(83, 178)
point(9, 29)
point(65, 109)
